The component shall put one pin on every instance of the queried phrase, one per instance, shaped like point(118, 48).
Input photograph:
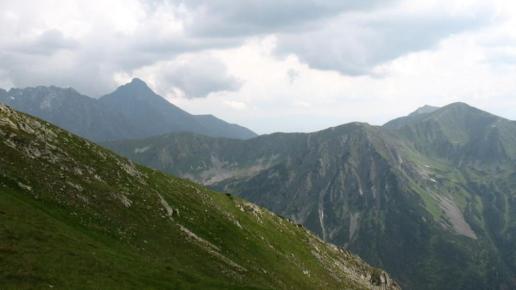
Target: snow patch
point(141, 150)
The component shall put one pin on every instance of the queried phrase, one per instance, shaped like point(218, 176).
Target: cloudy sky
point(271, 65)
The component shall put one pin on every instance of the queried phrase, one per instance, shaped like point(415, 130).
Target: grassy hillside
point(76, 216)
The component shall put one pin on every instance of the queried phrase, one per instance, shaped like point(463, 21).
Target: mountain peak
point(458, 111)
point(136, 89)
point(137, 82)
point(424, 110)
point(462, 108)
point(138, 86)
point(459, 105)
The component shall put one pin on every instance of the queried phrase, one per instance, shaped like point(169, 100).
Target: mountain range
point(76, 216)
point(131, 111)
point(430, 197)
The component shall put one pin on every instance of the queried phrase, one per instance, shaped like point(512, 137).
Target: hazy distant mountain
point(76, 216)
point(69, 109)
point(131, 111)
point(430, 197)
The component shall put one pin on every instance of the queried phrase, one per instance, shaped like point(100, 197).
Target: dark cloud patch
point(354, 44)
point(243, 18)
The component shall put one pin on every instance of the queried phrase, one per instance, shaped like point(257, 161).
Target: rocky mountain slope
point(131, 111)
point(76, 216)
point(430, 197)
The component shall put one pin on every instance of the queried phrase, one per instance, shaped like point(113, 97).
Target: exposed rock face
point(455, 218)
point(430, 197)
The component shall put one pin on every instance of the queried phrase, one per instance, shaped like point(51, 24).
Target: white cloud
point(338, 62)
point(236, 105)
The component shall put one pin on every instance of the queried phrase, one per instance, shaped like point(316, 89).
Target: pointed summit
point(137, 88)
point(138, 83)
point(136, 94)
point(149, 114)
